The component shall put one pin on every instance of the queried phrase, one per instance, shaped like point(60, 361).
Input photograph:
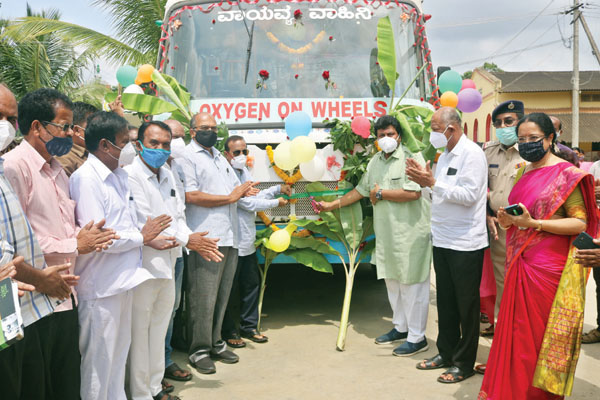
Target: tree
point(488, 66)
point(136, 32)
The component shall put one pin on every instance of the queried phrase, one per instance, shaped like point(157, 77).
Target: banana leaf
point(351, 218)
point(310, 258)
point(408, 138)
point(142, 103)
point(319, 187)
point(179, 90)
point(321, 227)
point(367, 250)
point(386, 51)
point(314, 244)
point(167, 90)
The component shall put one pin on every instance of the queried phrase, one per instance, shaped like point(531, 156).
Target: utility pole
point(588, 33)
point(575, 101)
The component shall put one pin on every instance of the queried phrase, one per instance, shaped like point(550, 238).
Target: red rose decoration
point(263, 73)
point(328, 83)
point(297, 14)
point(331, 38)
point(296, 76)
point(216, 68)
point(325, 75)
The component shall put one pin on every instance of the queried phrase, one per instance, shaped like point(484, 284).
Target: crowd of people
point(98, 215)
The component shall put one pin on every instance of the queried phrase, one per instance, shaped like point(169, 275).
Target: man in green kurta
point(402, 233)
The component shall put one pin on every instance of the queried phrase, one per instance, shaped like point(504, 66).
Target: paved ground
point(300, 360)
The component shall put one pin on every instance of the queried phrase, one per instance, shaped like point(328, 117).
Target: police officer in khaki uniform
point(503, 163)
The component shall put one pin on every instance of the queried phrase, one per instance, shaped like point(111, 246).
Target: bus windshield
point(319, 49)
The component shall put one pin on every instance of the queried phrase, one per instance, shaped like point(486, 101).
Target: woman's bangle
point(339, 203)
point(539, 228)
point(503, 228)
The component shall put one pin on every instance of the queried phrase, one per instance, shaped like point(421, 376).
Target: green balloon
point(126, 75)
point(450, 81)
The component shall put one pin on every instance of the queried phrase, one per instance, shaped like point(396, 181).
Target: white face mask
point(177, 148)
point(127, 155)
point(387, 144)
point(7, 134)
point(438, 139)
point(239, 162)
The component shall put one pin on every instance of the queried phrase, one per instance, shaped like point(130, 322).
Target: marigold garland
point(289, 180)
point(268, 222)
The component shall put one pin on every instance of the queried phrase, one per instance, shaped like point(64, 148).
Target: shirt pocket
point(493, 173)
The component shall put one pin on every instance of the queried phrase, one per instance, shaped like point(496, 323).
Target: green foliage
point(222, 135)
point(142, 103)
point(386, 52)
point(488, 66)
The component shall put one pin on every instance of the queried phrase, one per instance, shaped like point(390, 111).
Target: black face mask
point(532, 151)
point(206, 138)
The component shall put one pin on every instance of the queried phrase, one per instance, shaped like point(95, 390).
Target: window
point(590, 97)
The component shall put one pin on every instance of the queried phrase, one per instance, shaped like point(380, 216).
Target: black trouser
point(597, 279)
point(458, 276)
point(246, 284)
point(22, 367)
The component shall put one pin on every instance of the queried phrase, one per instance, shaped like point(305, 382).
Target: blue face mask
point(507, 136)
point(58, 146)
point(154, 157)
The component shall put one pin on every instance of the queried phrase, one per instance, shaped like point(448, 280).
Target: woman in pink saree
point(536, 343)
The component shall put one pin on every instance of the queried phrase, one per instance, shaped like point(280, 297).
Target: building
point(540, 91)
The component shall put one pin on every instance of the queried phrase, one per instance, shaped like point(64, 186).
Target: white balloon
point(135, 89)
point(282, 156)
point(314, 169)
point(303, 149)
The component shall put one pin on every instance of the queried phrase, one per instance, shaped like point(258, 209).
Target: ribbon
point(314, 194)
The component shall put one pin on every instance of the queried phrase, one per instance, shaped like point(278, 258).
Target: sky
point(462, 34)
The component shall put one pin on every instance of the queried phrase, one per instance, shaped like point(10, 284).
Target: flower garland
point(300, 50)
point(269, 223)
point(289, 180)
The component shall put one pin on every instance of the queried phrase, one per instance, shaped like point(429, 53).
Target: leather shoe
point(226, 356)
point(205, 365)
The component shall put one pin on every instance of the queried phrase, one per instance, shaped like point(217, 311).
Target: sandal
point(167, 387)
point(174, 372)
point(255, 336)
point(480, 369)
point(484, 319)
point(435, 362)
point(235, 341)
point(162, 395)
point(592, 336)
point(457, 374)
point(489, 331)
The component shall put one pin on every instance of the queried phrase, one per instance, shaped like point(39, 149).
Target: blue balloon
point(297, 124)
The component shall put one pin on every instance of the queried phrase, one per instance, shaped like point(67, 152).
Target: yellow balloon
point(303, 149)
point(280, 240)
point(282, 156)
point(449, 99)
point(145, 73)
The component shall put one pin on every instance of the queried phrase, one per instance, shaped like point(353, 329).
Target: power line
point(531, 44)
point(490, 20)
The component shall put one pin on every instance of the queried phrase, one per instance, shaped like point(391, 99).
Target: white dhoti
point(104, 339)
point(410, 306)
point(153, 302)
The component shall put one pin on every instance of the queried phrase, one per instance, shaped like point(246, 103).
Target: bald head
point(8, 106)
point(557, 124)
point(176, 128)
point(449, 116)
point(203, 119)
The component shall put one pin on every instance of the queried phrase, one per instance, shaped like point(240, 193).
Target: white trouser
point(153, 302)
point(104, 339)
point(410, 305)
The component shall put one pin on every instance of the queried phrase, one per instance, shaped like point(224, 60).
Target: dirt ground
point(302, 310)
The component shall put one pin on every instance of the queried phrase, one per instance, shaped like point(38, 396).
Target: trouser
point(59, 340)
point(209, 287)
point(178, 282)
point(152, 309)
point(105, 337)
point(22, 368)
point(597, 279)
point(247, 284)
point(498, 256)
point(458, 276)
point(410, 305)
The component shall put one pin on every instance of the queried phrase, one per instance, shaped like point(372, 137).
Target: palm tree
point(133, 21)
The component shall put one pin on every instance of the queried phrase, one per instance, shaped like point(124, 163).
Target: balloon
point(449, 99)
point(361, 126)
point(468, 84)
point(298, 123)
point(138, 81)
point(313, 170)
point(126, 75)
point(135, 89)
point(450, 81)
point(282, 156)
point(145, 73)
point(280, 240)
point(469, 100)
point(303, 149)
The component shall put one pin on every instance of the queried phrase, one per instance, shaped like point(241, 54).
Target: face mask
point(438, 139)
point(206, 138)
point(127, 154)
point(532, 151)
point(507, 136)
point(58, 146)
point(177, 148)
point(154, 157)
point(387, 144)
point(7, 134)
point(239, 162)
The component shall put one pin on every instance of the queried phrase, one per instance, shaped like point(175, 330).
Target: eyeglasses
point(81, 128)
point(238, 152)
point(65, 128)
point(527, 139)
point(205, 128)
point(508, 121)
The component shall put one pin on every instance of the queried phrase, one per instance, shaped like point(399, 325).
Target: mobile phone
point(585, 242)
point(11, 322)
point(514, 209)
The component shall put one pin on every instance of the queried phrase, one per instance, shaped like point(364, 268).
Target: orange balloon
point(138, 81)
point(145, 73)
point(449, 99)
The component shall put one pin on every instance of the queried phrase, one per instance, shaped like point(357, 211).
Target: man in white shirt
point(153, 188)
point(212, 191)
point(247, 275)
point(458, 227)
point(101, 191)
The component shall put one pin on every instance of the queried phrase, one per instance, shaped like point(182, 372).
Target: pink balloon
point(469, 100)
point(468, 84)
point(361, 126)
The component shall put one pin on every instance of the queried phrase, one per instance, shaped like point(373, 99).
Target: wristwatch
point(378, 195)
